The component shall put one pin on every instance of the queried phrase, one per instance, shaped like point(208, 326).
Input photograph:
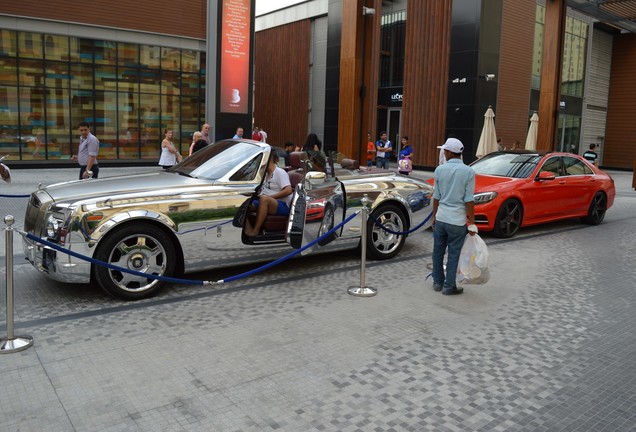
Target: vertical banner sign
point(235, 56)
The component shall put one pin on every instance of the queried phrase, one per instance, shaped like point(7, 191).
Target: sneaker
point(437, 287)
point(453, 291)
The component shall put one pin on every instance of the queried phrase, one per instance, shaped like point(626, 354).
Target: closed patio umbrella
point(531, 139)
point(488, 138)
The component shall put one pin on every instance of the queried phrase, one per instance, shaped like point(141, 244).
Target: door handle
point(561, 181)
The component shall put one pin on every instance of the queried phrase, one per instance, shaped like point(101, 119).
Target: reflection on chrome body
point(196, 213)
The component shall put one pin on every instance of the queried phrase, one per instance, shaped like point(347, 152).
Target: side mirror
point(545, 175)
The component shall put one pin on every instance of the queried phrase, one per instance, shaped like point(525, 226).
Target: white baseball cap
point(453, 145)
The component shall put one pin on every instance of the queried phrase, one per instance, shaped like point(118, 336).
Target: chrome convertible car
point(190, 217)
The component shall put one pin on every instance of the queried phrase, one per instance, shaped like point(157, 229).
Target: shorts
point(281, 210)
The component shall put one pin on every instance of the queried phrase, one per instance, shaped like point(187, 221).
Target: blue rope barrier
point(382, 227)
point(14, 196)
point(186, 281)
point(286, 257)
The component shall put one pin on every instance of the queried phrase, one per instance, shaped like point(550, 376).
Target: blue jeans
point(451, 237)
point(382, 162)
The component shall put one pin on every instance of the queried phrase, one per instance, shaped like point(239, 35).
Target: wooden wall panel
point(426, 77)
point(515, 71)
point(281, 82)
point(180, 18)
point(620, 132)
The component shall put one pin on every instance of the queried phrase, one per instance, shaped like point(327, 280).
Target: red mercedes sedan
point(516, 189)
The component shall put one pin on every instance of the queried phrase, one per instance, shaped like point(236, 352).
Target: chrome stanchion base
point(362, 291)
point(20, 343)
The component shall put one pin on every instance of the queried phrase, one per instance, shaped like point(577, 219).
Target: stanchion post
point(363, 290)
point(11, 344)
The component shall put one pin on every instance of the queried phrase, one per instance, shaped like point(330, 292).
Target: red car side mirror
point(545, 175)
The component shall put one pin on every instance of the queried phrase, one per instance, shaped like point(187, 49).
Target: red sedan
point(520, 188)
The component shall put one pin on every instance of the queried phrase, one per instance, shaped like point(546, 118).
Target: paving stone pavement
point(548, 344)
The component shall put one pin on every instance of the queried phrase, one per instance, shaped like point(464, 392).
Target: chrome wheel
point(326, 226)
point(380, 243)
point(144, 249)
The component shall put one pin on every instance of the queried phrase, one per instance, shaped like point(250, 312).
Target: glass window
point(150, 119)
point(8, 40)
point(82, 108)
point(170, 117)
point(170, 58)
point(128, 79)
point(552, 165)
point(8, 71)
point(58, 124)
point(30, 45)
point(31, 119)
point(9, 143)
point(57, 74)
point(149, 56)
point(82, 76)
point(31, 72)
point(56, 47)
point(128, 54)
point(392, 37)
point(149, 81)
point(106, 120)
point(189, 118)
point(105, 78)
point(574, 166)
point(129, 137)
point(190, 84)
point(82, 50)
point(170, 83)
point(105, 52)
point(190, 61)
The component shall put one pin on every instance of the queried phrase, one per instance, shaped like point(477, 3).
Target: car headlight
point(483, 198)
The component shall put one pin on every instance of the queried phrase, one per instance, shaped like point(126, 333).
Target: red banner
point(235, 56)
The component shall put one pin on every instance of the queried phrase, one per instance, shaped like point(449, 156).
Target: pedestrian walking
point(453, 208)
point(87, 152)
point(591, 155)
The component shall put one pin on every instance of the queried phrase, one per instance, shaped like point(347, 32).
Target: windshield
point(217, 160)
point(506, 164)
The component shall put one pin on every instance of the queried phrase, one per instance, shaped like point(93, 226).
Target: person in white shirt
point(263, 136)
point(274, 198)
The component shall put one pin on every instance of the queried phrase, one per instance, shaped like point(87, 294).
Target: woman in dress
point(169, 154)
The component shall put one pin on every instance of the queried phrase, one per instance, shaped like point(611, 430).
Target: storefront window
point(9, 122)
point(58, 125)
point(8, 71)
point(56, 47)
point(127, 92)
point(30, 45)
point(392, 43)
point(8, 43)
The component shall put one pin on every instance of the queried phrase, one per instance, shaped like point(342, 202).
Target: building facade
point(132, 76)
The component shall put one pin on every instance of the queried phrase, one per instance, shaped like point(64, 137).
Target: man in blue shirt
point(453, 207)
point(384, 149)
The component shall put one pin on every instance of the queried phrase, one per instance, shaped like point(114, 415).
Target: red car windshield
point(507, 164)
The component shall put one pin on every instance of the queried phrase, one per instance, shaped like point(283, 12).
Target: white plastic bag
point(473, 261)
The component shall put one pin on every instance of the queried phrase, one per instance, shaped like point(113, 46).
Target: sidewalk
point(547, 344)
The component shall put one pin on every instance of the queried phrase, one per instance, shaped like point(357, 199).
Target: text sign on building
point(235, 56)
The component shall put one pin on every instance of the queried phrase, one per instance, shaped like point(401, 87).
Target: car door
point(581, 184)
point(318, 206)
point(543, 198)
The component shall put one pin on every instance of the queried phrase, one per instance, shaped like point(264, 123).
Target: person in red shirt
point(256, 135)
point(370, 150)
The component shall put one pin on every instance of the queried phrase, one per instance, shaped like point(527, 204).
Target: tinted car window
point(506, 164)
point(574, 166)
point(552, 165)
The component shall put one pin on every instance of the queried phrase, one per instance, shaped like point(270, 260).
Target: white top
point(167, 158)
point(275, 183)
point(387, 145)
point(263, 136)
